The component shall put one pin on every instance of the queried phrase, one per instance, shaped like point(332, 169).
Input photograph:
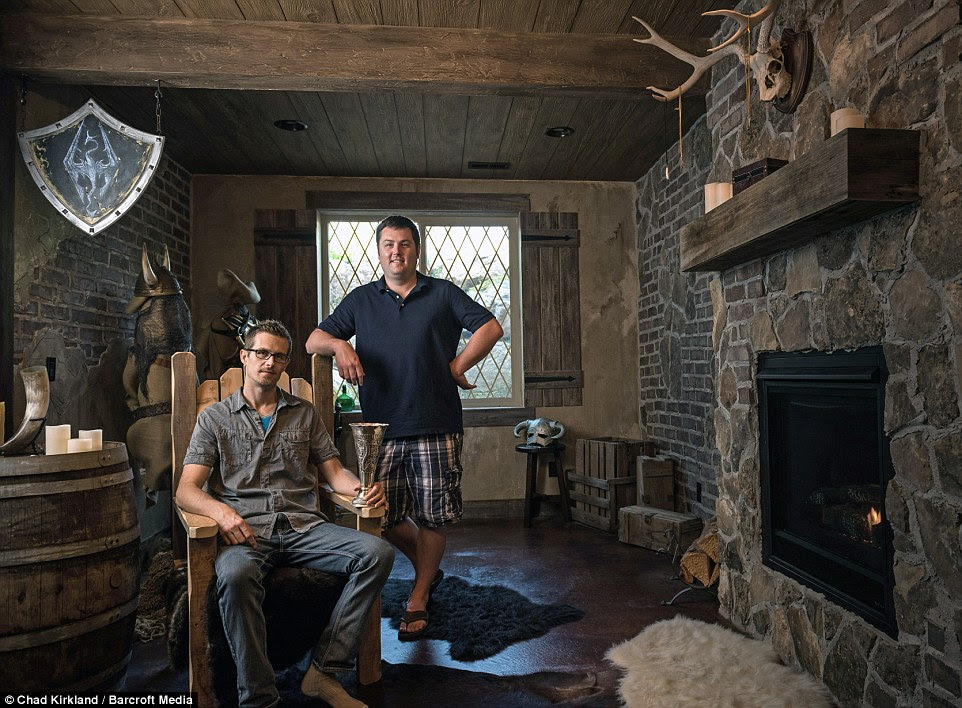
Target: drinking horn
point(36, 387)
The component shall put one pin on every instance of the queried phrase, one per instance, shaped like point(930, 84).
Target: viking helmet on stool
point(541, 431)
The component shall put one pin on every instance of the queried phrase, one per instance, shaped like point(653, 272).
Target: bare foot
point(318, 684)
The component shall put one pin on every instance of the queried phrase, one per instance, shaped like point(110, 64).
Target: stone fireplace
point(892, 283)
point(830, 296)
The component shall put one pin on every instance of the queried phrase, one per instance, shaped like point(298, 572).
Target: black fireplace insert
point(825, 464)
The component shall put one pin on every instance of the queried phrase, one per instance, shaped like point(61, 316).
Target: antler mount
point(780, 66)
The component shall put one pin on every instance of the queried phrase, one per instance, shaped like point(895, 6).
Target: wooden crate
point(654, 528)
point(605, 479)
point(656, 482)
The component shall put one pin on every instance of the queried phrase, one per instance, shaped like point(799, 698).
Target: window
point(481, 255)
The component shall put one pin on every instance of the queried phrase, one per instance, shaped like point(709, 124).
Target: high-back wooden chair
point(195, 536)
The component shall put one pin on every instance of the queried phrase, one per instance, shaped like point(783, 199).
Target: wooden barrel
point(69, 570)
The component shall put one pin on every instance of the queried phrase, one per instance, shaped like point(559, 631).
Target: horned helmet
point(152, 283)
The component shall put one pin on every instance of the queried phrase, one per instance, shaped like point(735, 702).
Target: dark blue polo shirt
point(405, 346)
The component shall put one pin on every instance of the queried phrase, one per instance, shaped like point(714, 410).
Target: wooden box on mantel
point(852, 176)
point(745, 177)
point(654, 528)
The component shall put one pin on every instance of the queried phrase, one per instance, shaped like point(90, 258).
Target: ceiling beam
point(304, 56)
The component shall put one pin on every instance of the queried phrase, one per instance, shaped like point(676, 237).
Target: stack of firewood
point(700, 562)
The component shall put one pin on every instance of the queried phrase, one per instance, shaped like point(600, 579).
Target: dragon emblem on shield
point(90, 166)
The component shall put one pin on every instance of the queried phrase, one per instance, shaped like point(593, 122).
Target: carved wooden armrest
point(197, 526)
point(344, 501)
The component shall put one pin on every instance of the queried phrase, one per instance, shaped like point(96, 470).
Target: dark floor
point(619, 587)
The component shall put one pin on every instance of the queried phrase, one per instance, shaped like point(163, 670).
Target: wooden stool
point(531, 478)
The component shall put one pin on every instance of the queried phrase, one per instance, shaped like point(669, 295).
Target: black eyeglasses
point(265, 354)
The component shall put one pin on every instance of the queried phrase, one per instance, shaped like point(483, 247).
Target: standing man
point(252, 450)
point(408, 326)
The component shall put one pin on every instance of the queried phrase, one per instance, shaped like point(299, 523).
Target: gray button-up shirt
point(258, 474)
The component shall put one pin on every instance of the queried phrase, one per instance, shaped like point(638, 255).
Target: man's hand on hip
point(460, 379)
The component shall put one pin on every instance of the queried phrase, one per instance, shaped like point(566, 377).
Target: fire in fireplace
point(825, 463)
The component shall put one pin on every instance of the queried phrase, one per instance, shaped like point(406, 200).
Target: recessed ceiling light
point(290, 124)
point(559, 131)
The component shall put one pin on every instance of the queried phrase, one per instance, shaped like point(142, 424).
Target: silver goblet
point(367, 443)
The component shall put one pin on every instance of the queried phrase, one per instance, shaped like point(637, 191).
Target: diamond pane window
point(477, 258)
point(351, 257)
point(479, 255)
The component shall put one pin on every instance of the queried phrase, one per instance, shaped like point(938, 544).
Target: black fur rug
point(478, 620)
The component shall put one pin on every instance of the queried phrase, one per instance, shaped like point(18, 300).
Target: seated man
point(253, 450)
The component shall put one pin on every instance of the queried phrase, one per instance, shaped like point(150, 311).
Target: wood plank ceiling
point(403, 131)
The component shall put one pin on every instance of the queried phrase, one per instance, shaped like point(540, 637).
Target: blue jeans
point(366, 561)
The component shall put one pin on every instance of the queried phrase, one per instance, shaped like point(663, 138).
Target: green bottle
point(344, 403)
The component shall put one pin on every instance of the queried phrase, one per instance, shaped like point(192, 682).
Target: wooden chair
point(195, 536)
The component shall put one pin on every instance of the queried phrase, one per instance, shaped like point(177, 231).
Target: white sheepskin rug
point(684, 662)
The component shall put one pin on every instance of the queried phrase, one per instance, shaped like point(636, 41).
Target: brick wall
point(82, 289)
point(70, 303)
point(675, 323)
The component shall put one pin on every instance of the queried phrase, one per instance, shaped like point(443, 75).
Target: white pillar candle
point(717, 193)
point(723, 192)
point(710, 200)
point(78, 445)
point(55, 442)
point(846, 118)
point(96, 438)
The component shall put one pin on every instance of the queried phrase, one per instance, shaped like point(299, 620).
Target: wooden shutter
point(551, 309)
point(285, 252)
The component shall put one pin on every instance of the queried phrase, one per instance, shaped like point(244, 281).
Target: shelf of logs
point(852, 176)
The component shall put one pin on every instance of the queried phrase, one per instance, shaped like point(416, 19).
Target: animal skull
point(768, 66)
point(767, 62)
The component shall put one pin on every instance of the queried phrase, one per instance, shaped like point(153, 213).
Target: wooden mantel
point(855, 175)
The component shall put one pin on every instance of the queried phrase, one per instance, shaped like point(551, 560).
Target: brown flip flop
point(408, 617)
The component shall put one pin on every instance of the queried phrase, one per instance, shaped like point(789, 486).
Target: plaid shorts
point(421, 476)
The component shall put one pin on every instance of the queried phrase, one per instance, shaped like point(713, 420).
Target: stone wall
point(676, 361)
point(895, 280)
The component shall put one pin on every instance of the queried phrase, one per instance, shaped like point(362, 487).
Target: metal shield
point(90, 166)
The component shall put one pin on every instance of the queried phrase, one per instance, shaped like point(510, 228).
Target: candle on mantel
point(78, 445)
point(96, 438)
point(55, 442)
point(846, 118)
point(723, 192)
point(717, 193)
point(710, 202)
